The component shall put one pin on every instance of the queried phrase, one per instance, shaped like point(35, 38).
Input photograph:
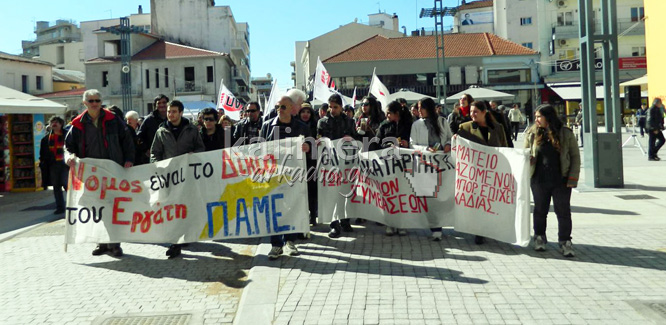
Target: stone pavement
point(617, 276)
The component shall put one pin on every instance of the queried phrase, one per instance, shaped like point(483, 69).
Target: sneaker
point(479, 240)
point(390, 231)
point(567, 248)
point(173, 251)
point(334, 233)
point(436, 236)
point(275, 253)
point(293, 251)
point(539, 244)
point(100, 249)
point(116, 251)
point(402, 232)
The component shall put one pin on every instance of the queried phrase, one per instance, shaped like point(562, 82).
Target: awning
point(642, 81)
point(572, 91)
point(409, 96)
point(15, 102)
point(479, 93)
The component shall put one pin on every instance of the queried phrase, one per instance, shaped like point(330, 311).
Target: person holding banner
point(177, 136)
point(485, 130)
point(555, 167)
point(308, 116)
point(150, 125)
point(214, 136)
point(395, 131)
point(336, 125)
point(460, 114)
point(98, 133)
point(249, 127)
point(430, 133)
point(285, 125)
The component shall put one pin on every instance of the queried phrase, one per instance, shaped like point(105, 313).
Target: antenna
point(379, 8)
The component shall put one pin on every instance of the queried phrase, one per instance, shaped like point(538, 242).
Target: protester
point(460, 114)
point(227, 123)
point(175, 137)
point(308, 116)
point(349, 111)
point(367, 122)
point(98, 133)
point(297, 96)
point(249, 127)
point(213, 135)
point(579, 123)
point(415, 111)
point(493, 109)
point(555, 167)
point(430, 133)
point(336, 125)
point(323, 110)
point(281, 127)
point(52, 162)
point(132, 119)
point(395, 130)
point(641, 118)
point(515, 117)
point(485, 130)
point(655, 126)
point(150, 125)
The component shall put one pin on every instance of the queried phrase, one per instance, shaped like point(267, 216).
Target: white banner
point(492, 191)
point(274, 98)
point(189, 198)
point(226, 100)
point(380, 91)
point(406, 188)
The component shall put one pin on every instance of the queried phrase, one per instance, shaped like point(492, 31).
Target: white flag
point(320, 83)
point(226, 100)
point(380, 91)
point(354, 98)
point(276, 93)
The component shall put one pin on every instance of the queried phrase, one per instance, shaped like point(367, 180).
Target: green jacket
point(569, 154)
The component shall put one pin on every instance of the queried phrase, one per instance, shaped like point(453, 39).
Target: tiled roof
point(476, 4)
point(12, 57)
point(161, 50)
point(379, 48)
point(69, 76)
point(64, 93)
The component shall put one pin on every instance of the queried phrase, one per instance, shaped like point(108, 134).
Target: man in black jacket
point(284, 125)
point(98, 133)
point(150, 125)
point(248, 128)
point(52, 161)
point(655, 126)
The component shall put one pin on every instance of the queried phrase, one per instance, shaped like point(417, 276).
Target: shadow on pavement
point(229, 270)
point(575, 209)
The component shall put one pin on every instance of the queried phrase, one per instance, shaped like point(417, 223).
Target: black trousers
point(59, 173)
point(653, 146)
point(515, 126)
point(561, 195)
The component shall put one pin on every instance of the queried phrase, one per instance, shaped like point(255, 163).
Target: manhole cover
point(654, 310)
point(151, 319)
point(636, 197)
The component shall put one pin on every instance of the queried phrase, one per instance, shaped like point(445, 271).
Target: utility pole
point(438, 11)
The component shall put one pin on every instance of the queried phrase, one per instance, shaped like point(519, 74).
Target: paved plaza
point(617, 277)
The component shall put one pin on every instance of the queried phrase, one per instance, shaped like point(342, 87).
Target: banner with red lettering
point(476, 189)
point(227, 101)
point(492, 191)
point(401, 188)
point(189, 198)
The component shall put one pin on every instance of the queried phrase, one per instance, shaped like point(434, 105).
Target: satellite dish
point(125, 68)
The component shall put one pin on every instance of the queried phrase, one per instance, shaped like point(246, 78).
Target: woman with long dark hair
point(485, 130)
point(555, 162)
point(373, 115)
point(430, 133)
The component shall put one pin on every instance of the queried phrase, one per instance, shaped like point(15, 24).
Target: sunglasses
point(251, 111)
point(94, 101)
point(366, 104)
point(280, 107)
point(209, 119)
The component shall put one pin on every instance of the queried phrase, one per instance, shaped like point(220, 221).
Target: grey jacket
point(166, 145)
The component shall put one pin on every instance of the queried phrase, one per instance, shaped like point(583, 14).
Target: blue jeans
point(279, 240)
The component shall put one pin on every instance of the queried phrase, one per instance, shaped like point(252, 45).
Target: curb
point(257, 303)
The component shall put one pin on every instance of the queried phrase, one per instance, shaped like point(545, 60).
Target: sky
point(274, 25)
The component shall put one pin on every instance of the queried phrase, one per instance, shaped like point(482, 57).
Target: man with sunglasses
point(214, 136)
point(175, 137)
point(150, 125)
point(98, 133)
point(249, 127)
point(285, 125)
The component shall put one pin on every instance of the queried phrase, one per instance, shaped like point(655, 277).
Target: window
point(189, 78)
point(24, 84)
point(157, 78)
point(147, 78)
point(638, 51)
point(526, 21)
point(637, 13)
point(209, 74)
point(60, 55)
point(565, 18)
point(528, 45)
point(509, 76)
point(38, 82)
point(166, 77)
point(567, 54)
point(105, 78)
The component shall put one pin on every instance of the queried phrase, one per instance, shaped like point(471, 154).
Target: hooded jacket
point(166, 145)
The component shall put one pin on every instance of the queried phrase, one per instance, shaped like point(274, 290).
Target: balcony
point(241, 74)
point(242, 92)
point(630, 28)
point(189, 87)
point(119, 92)
point(240, 47)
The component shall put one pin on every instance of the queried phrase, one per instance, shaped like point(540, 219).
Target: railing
point(119, 92)
point(626, 26)
point(189, 87)
point(241, 74)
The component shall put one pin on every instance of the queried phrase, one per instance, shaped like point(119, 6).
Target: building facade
point(30, 76)
point(62, 31)
point(261, 88)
